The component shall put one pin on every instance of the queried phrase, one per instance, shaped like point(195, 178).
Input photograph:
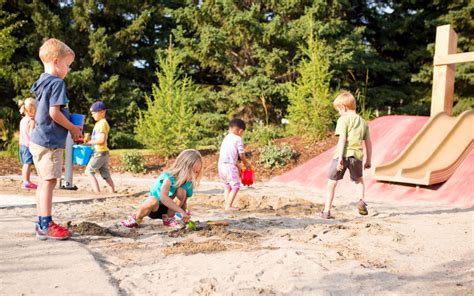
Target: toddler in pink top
point(229, 171)
point(27, 123)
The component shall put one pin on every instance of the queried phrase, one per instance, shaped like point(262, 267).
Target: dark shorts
point(162, 210)
point(353, 164)
point(25, 155)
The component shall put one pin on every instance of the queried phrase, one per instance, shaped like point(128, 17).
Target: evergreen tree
point(167, 125)
point(310, 110)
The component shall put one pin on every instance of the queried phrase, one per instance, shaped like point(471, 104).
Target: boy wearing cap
point(99, 161)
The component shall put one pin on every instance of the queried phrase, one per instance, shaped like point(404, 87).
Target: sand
point(277, 244)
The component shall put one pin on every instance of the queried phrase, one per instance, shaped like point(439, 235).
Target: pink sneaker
point(29, 185)
point(131, 222)
point(171, 222)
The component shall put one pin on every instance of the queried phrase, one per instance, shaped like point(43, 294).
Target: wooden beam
point(443, 75)
point(454, 58)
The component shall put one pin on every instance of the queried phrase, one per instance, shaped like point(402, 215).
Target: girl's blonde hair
point(345, 99)
point(27, 106)
point(183, 168)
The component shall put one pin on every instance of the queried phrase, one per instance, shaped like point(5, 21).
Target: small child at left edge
point(27, 123)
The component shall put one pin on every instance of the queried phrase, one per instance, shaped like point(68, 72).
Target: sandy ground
point(277, 245)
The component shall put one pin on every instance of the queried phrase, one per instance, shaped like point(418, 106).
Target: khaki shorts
point(48, 162)
point(99, 162)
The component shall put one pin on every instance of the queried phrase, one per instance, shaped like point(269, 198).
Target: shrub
point(310, 110)
point(121, 140)
point(263, 134)
point(133, 162)
point(272, 156)
point(13, 148)
point(168, 124)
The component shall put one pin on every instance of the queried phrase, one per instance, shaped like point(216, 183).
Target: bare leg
point(94, 183)
point(111, 184)
point(226, 195)
point(230, 201)
point(45, 197)
point(360, 188)
point(180, 200)
point(25, 172)
point(151, 204)
point(38, 195)
point(331, 188)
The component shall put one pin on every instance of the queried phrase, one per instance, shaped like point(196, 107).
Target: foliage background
point(243, 57)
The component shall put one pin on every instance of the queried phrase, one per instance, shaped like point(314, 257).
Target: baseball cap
point(98, 106)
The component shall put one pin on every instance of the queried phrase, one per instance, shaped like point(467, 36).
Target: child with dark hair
point(229, 171)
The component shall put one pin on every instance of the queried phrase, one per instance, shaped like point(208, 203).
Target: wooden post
point(443, 75)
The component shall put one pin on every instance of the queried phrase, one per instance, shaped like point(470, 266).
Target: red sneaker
point(54, 231)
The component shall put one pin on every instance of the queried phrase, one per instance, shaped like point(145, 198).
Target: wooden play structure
point(438, 149)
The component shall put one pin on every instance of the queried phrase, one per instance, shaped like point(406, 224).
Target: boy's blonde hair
point(346, 99)
point(183, 167)
point(54, 48)
point(28, 105)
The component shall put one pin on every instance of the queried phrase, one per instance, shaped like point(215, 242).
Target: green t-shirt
point(356, 130)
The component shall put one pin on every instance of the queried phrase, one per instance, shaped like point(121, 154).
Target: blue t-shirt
point(50, 91)
point(156, 189)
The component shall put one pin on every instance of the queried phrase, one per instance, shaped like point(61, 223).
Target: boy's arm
point(340, 151)
point(368, 149)
point(244, 160)
point(100, 139)
point(59, 118)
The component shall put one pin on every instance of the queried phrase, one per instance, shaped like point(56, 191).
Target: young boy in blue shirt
point(49, 135)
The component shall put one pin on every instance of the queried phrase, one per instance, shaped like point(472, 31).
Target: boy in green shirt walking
point(352, 131)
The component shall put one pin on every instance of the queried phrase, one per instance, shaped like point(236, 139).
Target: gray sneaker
point(362, 207)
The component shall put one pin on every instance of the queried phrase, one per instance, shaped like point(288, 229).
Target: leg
point(334, 175)
point(25, 172)
point(46, 197)
point(330, 189)
point(226, 194)
point(149, 205)
point(232, 194)
point(105, 172)
point(94, 183)
point(111, 184)
point(37, 196)
point(180, 200)
point(360, 188)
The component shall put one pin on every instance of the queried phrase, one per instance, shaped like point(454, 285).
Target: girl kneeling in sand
point(171, 191)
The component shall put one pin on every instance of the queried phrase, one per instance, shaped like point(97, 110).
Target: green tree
point(310, 110)
point(167, 125)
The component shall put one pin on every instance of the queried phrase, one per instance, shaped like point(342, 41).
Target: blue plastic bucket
point(81, 154)
point(77, 119)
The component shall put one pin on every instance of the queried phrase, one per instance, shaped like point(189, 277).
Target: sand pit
point(276, 245)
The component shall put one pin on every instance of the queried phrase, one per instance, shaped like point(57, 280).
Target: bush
point(263, 134)
point(121, 140)
point(13, 148)
point(167, 125)
point(272, 156)
point(310, 111)
point(133, 162)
